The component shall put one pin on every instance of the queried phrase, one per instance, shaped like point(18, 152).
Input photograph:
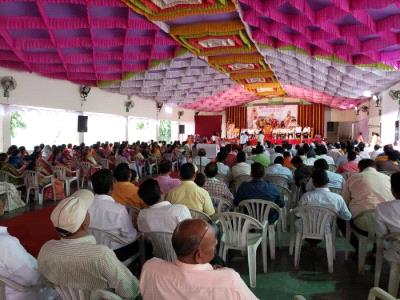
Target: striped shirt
point(81, 264)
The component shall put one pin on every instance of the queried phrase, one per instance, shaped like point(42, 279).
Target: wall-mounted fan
point(8, 84)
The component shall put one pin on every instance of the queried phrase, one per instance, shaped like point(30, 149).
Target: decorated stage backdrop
point(272, 115)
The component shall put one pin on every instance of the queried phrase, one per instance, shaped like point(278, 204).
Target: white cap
point(70, 213)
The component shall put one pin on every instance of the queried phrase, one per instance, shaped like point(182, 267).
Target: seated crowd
point(142, 189)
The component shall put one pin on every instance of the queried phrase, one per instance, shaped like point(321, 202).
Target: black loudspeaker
point(330, 127)
point(82, 123)
point(181, 129)
point(396, 131)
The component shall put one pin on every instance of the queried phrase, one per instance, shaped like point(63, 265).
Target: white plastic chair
point(85, 165)
point(394, 276)
point(196, 214)
point(106, 238)
point(5, 176)
point(259, 209)
point(236, 235)
point(237, 181)
point(105, 164)
point(369, 216)
point(335, 190)
point(332, 168)
point(222, 204)
point(16, 286)
point(162, 245)
point(314, 223)
point(69, 293)
point(61, 173)
point(277, 180)
point(31, 179)
point(377, 293)
point(287, 197)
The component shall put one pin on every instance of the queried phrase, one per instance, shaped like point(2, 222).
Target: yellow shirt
point(126, 193)
point(190, 194)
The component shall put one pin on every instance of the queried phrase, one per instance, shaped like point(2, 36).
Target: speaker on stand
point(82, 123)
point(181, 132)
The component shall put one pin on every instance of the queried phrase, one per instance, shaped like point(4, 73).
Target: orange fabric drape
point(237, 115)
point(312, 115)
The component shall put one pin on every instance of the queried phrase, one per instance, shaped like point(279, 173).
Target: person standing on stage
point(244, 138)
point(261, 137)
point(360, 138)
point(298, 132)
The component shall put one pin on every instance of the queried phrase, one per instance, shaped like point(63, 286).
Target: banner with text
point(273, 116)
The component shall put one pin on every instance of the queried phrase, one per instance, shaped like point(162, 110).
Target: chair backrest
point(237, 181)
point(196, 214)
point(68, 293)
point(104, 163)
point(31, 178)
point(222, 204)
point(335, 190)
point(258, 208)
point(16, 286)
point(314, 219)
point(369, 218)
point(378, 293)
point(236, 226)
point(133, 211)
point(61, 172)
point(3, 176)
point(162, 245)
point(106, 238)
point(85, 167)
point(332, 168)
point(277, 180)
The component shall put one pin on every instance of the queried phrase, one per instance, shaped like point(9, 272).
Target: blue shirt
point(260, 189)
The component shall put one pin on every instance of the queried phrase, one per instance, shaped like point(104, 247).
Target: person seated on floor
point(277, 168)
point(215, 187)
point(335, 180)
point(76, 260)
point(192, 276)
point(365, 190)
point(108, 215)
point(161, 216)
point(242, 167)
point(189, 194)
point(391, 164)
point(351, 166)
point(260, 156)
point(165, 180)
point(201, 159)
point(388, 219)
point(258, 188)
point(124, 191)
point(322, 196)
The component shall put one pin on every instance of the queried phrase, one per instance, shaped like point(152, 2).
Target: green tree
point(164, 131)
point(16, 123)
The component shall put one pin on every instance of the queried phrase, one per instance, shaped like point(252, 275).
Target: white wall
point(37, 91)
point(390, 114)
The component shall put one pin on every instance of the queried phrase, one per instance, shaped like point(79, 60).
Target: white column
point(126, 128)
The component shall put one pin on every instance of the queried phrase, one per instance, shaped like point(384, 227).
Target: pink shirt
point(167, 183)
point(351, 166)
point(165, 280)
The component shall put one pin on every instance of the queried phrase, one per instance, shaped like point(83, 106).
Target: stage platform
point(253, 142)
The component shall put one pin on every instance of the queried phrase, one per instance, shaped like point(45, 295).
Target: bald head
point(194, 241)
